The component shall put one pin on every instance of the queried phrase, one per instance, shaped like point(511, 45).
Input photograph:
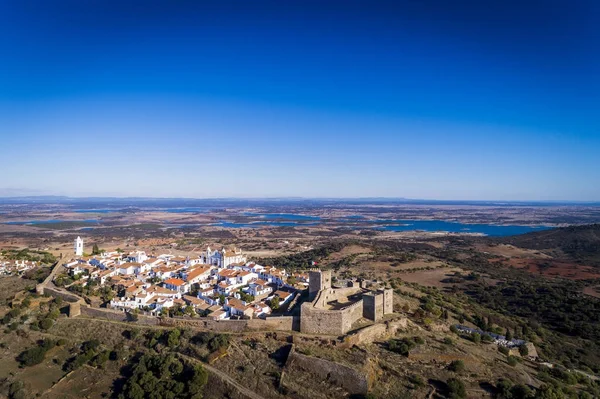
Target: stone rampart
point(316, 320)
point(285, 323)
point(376, 332)
point(352, 380)
point(334, 294)
point(116, 315)
point(61, 293)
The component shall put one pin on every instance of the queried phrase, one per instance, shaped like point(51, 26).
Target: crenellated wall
point(316, 320)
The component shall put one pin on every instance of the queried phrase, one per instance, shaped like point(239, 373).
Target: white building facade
point(78, 246)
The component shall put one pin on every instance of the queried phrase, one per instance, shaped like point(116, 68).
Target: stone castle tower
point(78, 246)
point(318, 280)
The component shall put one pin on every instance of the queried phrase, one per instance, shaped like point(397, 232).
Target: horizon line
point(242, 198)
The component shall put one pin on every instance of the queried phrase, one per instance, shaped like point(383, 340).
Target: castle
point(335, 311)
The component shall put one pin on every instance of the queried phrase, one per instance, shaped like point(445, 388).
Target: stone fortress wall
point(318, 317)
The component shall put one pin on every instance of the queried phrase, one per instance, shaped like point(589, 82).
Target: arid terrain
point(539, 286)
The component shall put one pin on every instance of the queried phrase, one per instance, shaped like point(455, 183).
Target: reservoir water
point(455, 227)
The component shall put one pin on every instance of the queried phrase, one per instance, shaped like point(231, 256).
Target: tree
point(190, 311)
point(523, 350)
point(487, 338)
point(503, 389)
point(457, 366)
point(46, 324)
point(173, 338)
point(198, 380)
point(275, 303)
point(95, 250)
point(476, 337)
point(508, 335)
point(512, 361)
point(456, 389)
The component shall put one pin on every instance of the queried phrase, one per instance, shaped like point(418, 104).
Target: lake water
point(97, 210)
point(284, 216)
point(455, 227)
point(262, 224)
point(185, 210)
point(50, 221)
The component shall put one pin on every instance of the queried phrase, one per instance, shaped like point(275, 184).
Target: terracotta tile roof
point(193, 300)
point(174, 281)
point(236, 303)
point(283, 294)
point(198, 272)
point(160, 290)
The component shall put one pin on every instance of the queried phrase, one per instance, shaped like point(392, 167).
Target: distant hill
point(577, 243)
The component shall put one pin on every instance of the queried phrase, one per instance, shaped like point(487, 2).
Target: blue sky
point(430, 99)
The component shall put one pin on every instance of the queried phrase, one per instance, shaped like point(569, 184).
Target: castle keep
point(334, 311)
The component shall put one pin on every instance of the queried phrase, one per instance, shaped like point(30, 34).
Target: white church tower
point(79, 246)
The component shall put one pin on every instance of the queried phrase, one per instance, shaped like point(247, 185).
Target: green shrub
point(46, 324)
point(512, 360)
point(486, 338)
point(457, 366)
point(456, 389)
point(35, 355)
point(523, 350)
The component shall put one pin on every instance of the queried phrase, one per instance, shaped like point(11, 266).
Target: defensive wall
point(319, 317)
point(286, 323)
point(316, 320)
point(352, 380)
point(116, 315)
point(376, 332)
point(61, 293)
point(283, 323)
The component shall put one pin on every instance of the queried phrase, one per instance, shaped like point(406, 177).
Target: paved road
point(242, 389)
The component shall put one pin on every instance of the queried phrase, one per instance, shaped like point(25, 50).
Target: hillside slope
point(577, 243)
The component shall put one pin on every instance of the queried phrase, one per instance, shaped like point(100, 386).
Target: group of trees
point(90, 353)
point(213, 342)
point(404, 345)
point(36, 354)
point(246, 297)
point(303, 260)
point(168, 338)
point(156, 376)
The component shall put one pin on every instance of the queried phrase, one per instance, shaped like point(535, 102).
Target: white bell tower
point(79, 246)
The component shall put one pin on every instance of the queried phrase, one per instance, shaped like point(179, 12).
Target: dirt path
point(242, 389)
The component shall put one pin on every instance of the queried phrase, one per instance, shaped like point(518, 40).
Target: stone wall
point(116, 315)
point(284, 323)
point(334, 294)
point(353, 381)
point(287, 323)
point(316, 320)
point(373, 306)
point(351, 315)
point(61, 293)
point(388, 301)
point(318, 281)
point(376, 332)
